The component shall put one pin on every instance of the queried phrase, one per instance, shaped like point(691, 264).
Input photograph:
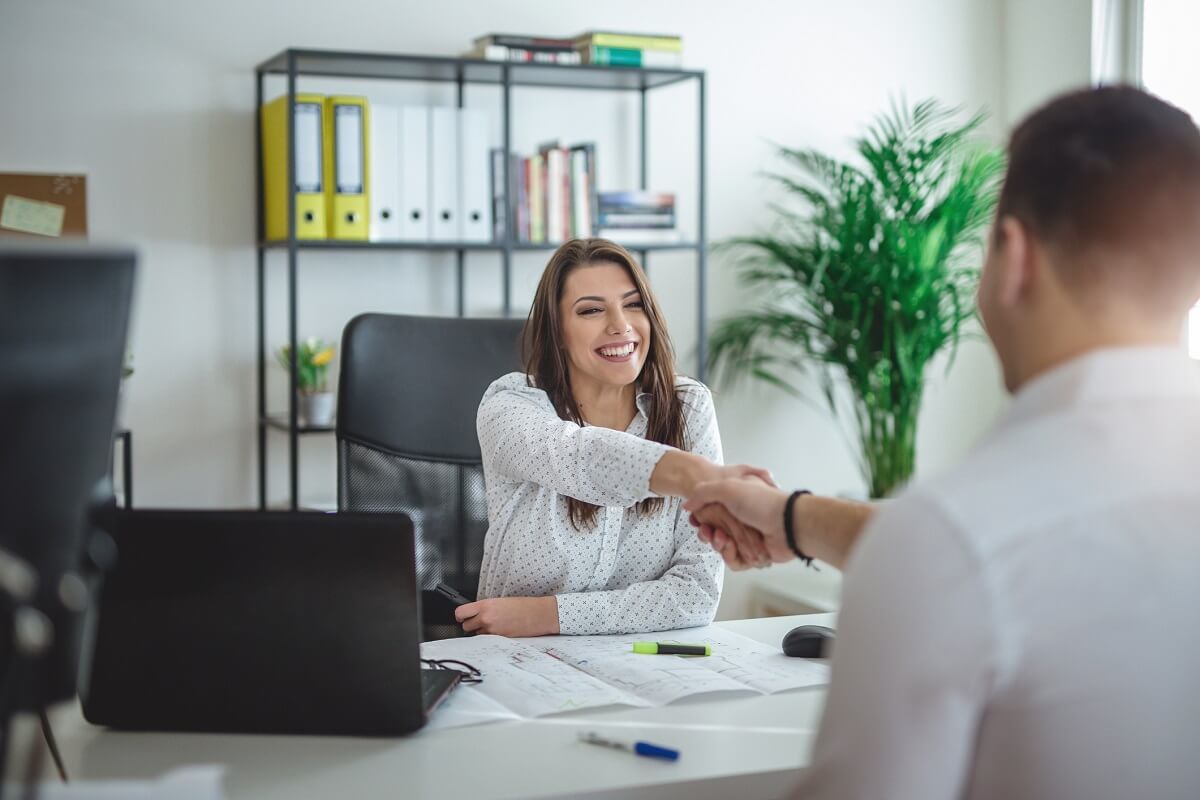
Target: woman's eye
point(635, 304)
point(587, 312)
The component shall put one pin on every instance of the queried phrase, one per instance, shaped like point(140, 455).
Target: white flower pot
point(316, 409)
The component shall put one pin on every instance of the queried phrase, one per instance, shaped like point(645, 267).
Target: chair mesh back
point(444, 501)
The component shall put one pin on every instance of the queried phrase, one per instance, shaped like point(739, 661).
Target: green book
point(631, 57)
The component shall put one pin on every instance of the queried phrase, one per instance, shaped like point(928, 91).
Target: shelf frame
point(294, 63)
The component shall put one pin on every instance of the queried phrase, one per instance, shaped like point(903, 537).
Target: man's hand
point(753, 505)
point(825, 528)
point(510, 616)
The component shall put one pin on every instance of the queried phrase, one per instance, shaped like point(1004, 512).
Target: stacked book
point(606, 48)
point(554, 193)
point(630, 49)
point(513, 47)
point(637, 217)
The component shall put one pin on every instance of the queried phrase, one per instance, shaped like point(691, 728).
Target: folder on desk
point(414, 174)
point(443, 174)
point(346, 166)
point(385, 173)
point(474, 163)
point(310, 174)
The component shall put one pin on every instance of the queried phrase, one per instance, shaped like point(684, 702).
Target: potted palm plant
point(313, 357)
point(869, 274)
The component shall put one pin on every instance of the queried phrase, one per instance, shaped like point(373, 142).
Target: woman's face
point(605, 330)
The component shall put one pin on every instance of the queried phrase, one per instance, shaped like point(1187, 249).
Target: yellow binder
point(346, 170)
point(310, 167)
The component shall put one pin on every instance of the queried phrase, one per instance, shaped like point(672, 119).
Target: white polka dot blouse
point(626, 574)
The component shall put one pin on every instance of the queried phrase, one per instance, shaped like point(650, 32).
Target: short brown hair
point(1109, 178)
point(546, 361)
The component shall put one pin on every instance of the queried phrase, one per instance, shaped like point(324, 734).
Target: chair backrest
point(408, 395)
point(64, 310)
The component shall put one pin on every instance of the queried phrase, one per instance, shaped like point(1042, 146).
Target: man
point(1029, 626)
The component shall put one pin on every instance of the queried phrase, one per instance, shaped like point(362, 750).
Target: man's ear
point(1015, 258)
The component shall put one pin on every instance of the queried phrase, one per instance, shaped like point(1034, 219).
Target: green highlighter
point(664, 649)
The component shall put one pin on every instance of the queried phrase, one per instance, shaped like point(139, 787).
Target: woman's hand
point(739, 545)
point(742, 471)
point(510, 616)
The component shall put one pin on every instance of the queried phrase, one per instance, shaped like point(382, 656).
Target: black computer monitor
point(64, 310)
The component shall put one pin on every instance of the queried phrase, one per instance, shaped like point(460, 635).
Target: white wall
point(1047, 50)
point(154, 101)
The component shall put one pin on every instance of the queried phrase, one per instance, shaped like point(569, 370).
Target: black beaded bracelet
point(789, 528)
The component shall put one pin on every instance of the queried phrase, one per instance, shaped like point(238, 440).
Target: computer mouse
point(808, 641)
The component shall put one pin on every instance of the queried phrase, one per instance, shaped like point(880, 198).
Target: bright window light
point(1194, 333)
point(1170, 64)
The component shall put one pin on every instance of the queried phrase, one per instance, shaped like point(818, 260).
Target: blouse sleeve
point(686, 595)
point(522, 438)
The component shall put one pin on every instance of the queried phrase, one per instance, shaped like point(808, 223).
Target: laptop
point(260, 622)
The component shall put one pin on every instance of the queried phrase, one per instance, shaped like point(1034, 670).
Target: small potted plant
point(312, 388)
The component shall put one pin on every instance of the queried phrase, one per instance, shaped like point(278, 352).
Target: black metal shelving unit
point(294, 63)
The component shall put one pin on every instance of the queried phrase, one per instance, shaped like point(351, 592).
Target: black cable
point(48, 735)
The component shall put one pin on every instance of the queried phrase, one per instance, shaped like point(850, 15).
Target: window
point(1170, 64)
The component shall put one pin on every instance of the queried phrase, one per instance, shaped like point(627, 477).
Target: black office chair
point(407, 399)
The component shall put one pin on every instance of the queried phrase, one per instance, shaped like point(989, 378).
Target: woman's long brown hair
point(548, 369)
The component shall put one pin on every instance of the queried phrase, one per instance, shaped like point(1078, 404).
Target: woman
point(582, 457)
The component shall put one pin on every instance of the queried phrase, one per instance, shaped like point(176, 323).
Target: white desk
point(740, 747)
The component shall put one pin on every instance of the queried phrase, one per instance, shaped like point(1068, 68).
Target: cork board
point(37, 205)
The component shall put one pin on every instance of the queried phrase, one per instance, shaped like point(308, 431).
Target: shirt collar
point(1108, 374)
point(643, 401)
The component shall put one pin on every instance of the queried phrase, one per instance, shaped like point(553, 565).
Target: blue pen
point(638, 748)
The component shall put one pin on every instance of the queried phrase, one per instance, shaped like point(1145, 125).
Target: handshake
point(744, 516)
point(741, 518)
point(740, 512)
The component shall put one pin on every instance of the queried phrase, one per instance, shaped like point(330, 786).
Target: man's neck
point(604, 405)
point(1072, 342)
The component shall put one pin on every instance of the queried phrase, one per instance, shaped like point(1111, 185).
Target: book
point(554, 197)
point(499, 209)
point(589, 151)
point(630, 57)
point(580, 214)
point(521, 170)
point(537, 202)
point(553, 183)
point(493, 52)
point(631, 237)
point(525, 42)
point(636, 200)
point(611, 219)
point(635, 41)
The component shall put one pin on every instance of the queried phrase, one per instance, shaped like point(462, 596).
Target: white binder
point(385, 173)
point(474, 164)
point(414, 174)
point(443, 175)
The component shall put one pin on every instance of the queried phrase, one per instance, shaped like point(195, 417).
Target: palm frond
point(869, 271)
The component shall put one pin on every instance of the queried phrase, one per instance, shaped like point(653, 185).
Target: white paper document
point(524, 678)
point(185, 783)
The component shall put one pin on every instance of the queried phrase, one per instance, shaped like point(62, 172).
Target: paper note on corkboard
point(36, 205)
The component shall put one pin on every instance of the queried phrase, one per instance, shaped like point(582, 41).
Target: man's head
point(1097, 234)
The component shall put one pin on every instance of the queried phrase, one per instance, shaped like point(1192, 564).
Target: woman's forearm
point(678, 472)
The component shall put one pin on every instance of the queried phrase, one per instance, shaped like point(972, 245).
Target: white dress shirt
point(628, 573)
point(1029, 625)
